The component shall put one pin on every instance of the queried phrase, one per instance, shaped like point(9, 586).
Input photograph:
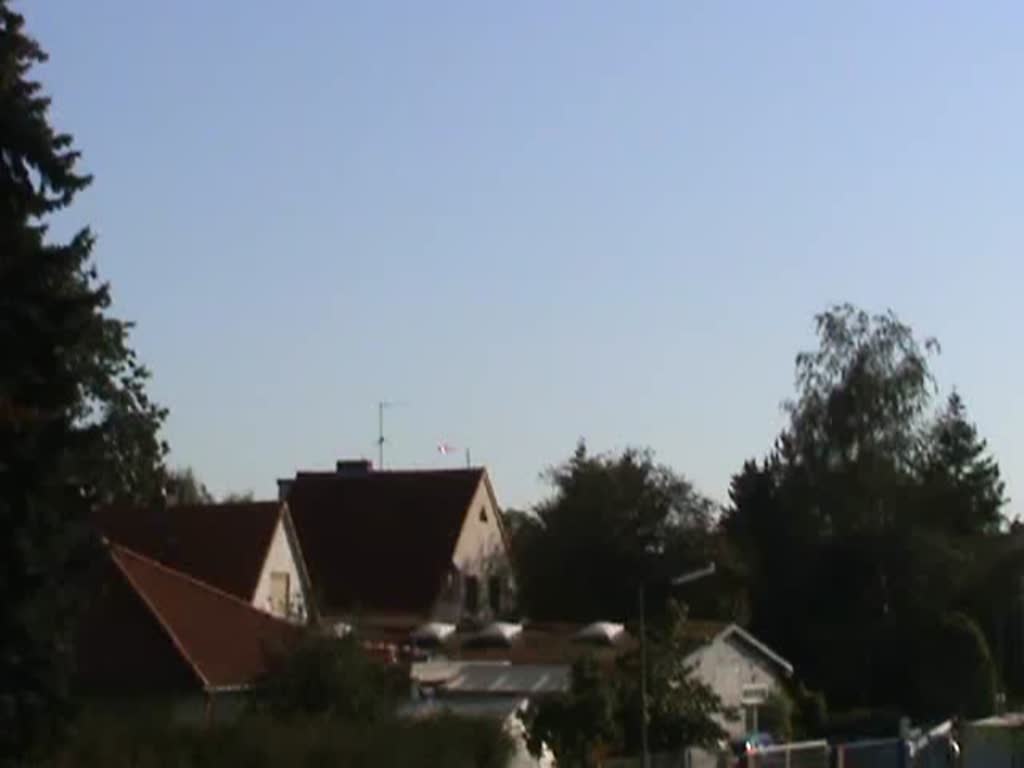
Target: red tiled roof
point(121, 648)
point(224, 545)
point(538, 643)
point(226, 641)
point(544, 644)
point(380, 541)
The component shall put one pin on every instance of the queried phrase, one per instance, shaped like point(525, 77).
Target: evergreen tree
point(853, 528)
point(76, 426)
point(965, 492)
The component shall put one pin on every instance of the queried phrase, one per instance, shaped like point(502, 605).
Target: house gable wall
point(281, 558)
point(726, 666)
point(480, 553)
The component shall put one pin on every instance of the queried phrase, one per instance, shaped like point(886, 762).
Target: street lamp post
point(685, 578)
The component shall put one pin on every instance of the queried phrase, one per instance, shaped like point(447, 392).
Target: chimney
point(284, 487)
point(353, 467)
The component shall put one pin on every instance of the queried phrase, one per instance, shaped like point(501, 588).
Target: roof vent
point(498, 633)
point(604, 632)
point(432, 632)
point(353, 467)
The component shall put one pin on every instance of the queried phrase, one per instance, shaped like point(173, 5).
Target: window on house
point(472, 594)
point(750, 719)
point(494, 594)
point(483, 514)
point(280, 592)
point(753, 697)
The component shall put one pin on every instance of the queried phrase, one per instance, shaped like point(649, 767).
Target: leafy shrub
point(578, 726)
point(329, 677)
point(956, 674)
point(776, 716)
point(256, 741)
point(810, 711)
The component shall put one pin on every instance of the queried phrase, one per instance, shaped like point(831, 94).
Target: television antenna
point(381, 406)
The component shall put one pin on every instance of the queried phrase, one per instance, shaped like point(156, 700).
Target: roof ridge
point(171, 509)
point(332, 474)
point(187, 577)
point(733, 628)
point(427, 469)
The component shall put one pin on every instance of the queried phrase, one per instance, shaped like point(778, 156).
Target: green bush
point(113, 741)
point(578, 726)
point(776, 716)
point(331, 677)
point(955, 674)
point(810, 711)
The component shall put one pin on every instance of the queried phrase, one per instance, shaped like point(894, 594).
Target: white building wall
point(726, 667)
point(479, 552)
point(480, 543)
point(281, 558)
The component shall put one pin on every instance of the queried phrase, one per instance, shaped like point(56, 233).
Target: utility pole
point(685, 578)
point(645, 754)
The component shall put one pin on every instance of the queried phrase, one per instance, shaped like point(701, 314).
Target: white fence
point(931, 749)
point(871, 753)
point(936, 748)
point(803, 754)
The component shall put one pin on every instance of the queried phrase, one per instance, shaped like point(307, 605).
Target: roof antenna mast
point(380, 429)
point(380, 433)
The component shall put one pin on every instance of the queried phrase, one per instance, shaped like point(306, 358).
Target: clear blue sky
point(537, 221)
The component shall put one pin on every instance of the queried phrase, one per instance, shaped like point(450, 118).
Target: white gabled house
point(410, 546)
point(248, 550)
point(283, 585)
point(742, 670)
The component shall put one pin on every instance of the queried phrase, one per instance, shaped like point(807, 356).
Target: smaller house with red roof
point(153, 631)
point(516, 662)
point(420, 545)
point(248, 549)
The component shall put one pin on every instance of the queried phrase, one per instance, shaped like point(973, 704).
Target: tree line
point(869, 544)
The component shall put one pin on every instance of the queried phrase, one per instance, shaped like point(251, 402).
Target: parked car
point(743, 748)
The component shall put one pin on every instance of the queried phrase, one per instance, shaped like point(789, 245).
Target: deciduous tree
point(612, 522)
point(858, 528)
point(184, 487)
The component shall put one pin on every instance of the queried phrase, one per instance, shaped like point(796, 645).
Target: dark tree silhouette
point(76, 426)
